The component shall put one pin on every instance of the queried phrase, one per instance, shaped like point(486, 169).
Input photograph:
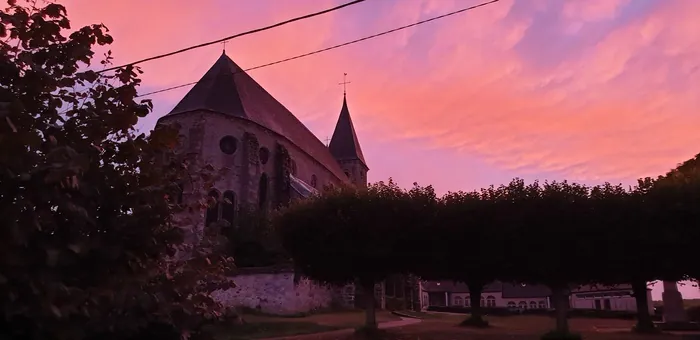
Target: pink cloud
point(504, 84)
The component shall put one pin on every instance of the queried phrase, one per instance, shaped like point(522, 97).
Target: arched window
point(262, 191)
point(511, 305)
point(522, 305)
point(212, 208)
point(228, 211)
point(533, 305)
point(543, 305)
point(458, 301)
point(490, 301)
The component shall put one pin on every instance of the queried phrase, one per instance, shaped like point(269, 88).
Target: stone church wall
point(272, 290)
point(201, 133)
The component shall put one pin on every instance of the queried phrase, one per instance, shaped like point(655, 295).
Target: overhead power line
point(236, 35)
point(334, 46)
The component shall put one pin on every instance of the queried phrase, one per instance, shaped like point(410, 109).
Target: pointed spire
point(344, 143)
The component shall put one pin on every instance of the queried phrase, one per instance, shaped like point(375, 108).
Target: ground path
point(382, 325)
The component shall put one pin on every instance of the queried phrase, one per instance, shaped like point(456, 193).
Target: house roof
point(229, 90)
point(600, 288)
point(514, 291)
point(344, 144)
point(457, 287)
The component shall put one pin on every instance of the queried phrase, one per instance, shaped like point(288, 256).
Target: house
point(527, 296)
point(616, 298)
point(494, 295)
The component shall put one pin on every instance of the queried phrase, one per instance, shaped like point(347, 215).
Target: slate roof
point(508, 290)
point(514, 291)
point(457, 287)
point(344, 144)
point(228, 90)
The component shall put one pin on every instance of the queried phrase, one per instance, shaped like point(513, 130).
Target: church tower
point(345, 147)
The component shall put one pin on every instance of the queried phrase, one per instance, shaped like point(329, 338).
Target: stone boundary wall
point(272, 290)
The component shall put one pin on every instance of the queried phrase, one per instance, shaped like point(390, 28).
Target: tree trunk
point(370, 307)
point(644, 322)
point(561, 306)
point(475, 301)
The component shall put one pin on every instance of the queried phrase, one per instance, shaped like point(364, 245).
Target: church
point(227, 120)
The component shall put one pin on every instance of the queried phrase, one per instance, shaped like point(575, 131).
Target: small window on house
point(490, 301)
point(542, 305)
point(228, 145)
point(466, 301)
point(314, 181)
point(213, 206)
point(264, 155)
point(458, 301)
point(262, 191)
point(511, 304)
point(522, 305)
point(533, 305)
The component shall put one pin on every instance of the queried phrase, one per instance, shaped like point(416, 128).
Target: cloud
point(587, 90)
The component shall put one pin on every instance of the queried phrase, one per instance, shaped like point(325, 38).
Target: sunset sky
point(584, 90)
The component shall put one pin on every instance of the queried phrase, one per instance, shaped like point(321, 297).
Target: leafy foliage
point(87, 221)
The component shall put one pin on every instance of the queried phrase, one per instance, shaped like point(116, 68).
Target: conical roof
point(344, 144)
point(228, 90)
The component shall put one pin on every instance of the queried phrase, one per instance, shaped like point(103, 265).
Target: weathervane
point(344, 82)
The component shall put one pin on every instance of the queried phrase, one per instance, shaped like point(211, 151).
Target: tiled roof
point(228, 90)
point(514, 291)
point(457, 287)
point(344, 143)
point(601, 287)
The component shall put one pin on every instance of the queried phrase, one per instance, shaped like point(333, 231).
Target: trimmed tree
point(348, 235)
point(550, 241)
point(469, 251)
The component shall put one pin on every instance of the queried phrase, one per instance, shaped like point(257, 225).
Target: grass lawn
point(523, 327)
point(259, 326)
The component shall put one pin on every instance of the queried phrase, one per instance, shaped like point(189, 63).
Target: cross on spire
point(224, 42)
point(344, 82)
point(328, 141)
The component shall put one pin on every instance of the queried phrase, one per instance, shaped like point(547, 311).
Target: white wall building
point(524, 296)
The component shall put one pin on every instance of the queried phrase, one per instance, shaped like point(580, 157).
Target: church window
point(228, 145)
point(262, 191)
point(264, 155)
point(212, 208)
point(228, 212)
point(314, 181)
point(293, 167)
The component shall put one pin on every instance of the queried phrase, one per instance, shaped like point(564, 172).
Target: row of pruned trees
point(555, 233)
